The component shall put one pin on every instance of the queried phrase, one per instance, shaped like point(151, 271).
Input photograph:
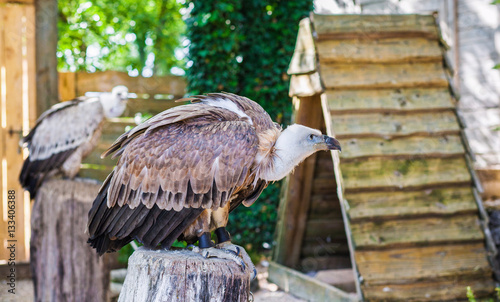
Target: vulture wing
point(171, 168)
point(58, 132)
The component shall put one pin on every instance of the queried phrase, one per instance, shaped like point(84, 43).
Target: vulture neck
point(279, 156)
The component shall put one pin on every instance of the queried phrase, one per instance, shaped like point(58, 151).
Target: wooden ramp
point(408, 193)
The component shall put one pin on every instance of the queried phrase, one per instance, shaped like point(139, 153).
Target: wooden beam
point(46, 49)
point(416, 231)
point(106, 80)
point(431, 290)
point(294, 206)
point(304, 286)
point(408, 265)
point(374, 26)
point(445, 201)
point(368, 76)
point(434, 146)
point(400, 50)
point(410, 173)
point(389, 125)
point(388, 100)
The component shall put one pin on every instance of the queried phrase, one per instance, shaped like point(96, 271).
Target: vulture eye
point(311, 136)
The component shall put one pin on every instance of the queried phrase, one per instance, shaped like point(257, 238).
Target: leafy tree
point(244, 47)
point(125, 35)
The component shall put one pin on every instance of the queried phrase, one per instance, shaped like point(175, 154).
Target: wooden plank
point(46, 60)
point(483, 140)
point(296, 199)
point(305, 85)
point(418, 231)
point(387, 100)
point(17, 1)
point(434, 146)
point(323, 228)
point(435, 290)
point(408, 265)
point(393, 124)
point(31, 61)
point(374, 26)
point(367, 76)
point(324, 206)
point(404, 173)
point(4, 253)
point(316, 249)
point(479, 118)
point(443, 201)
point(67, 86)
point(325, 186)
point(340, 278)
point(14, 106)
point(304, 286)
point(398, 50)
point(106, 80)
point(316, 263)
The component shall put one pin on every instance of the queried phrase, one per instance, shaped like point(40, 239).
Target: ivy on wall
point(244, 47)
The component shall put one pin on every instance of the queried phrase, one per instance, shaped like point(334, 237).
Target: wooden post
point(156, 276)
point(46, 59)
point(296, 193)
point(64, 266)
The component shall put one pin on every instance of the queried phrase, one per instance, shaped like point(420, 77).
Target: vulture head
point(114, 103)
point(294, 145)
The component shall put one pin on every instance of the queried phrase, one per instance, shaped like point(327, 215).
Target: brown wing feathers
point(171, 168)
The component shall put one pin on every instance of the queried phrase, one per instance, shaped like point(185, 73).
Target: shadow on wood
point(64, 266)
point(183, 276)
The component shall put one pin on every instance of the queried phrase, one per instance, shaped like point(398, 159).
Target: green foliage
point(497, 66)
point(120, 35)
point(495, 2)
point(244, 47)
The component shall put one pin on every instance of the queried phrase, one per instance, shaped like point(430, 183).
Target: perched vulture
point(65, 134)
point(183, 171)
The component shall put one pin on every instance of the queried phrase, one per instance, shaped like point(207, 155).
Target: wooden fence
point(17, 114)
point(149, 96)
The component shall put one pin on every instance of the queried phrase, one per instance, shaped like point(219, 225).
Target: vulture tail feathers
point(112, 228)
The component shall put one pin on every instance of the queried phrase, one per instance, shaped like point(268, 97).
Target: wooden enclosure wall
point(149, 96)
point(409, 189)
point(17, 114)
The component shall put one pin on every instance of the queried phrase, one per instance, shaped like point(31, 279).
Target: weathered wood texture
point(417, 263)
point(156, 276)
point(406, 184)
point(385, 173)
point(304, 286)
point(374, 26)
point(393, 125)
point(17, 114)
point(404, 75)
point(294, 206)
point(379, 51)
point(46, 49)
point(64, 266)
point(148, 96)
point(389, 100)
point(431, 202)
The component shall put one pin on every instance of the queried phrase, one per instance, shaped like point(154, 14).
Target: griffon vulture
point(65, 134)
point(183, 171)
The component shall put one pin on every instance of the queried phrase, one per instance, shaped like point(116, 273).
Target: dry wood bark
point(64, 266)
point(171, 276)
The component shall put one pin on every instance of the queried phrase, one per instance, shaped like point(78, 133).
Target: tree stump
point(64, 266)
point(156, 276)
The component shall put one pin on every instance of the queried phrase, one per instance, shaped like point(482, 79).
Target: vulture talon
point(213, 252)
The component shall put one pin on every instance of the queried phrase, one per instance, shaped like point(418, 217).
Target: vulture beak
point(332, 143)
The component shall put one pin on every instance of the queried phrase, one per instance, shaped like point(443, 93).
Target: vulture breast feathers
point(179, 163)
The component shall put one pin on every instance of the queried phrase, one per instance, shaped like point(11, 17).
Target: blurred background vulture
point(65, 134)
point(183, 171)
